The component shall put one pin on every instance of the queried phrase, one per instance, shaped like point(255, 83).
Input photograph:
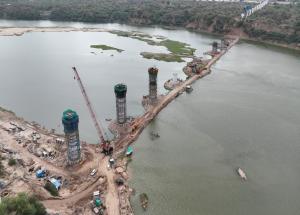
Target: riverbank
point(48, 152)
point(19, 31)
point(11, 31)
point(273, 23)
point(271, 44)
point(244, 37)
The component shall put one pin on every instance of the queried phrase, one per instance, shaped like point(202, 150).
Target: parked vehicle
point(93, 172)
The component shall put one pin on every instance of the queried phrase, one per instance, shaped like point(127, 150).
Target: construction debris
point(173, 83)
point(196, 66)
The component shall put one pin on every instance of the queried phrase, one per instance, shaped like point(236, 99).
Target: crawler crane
point(104, 142)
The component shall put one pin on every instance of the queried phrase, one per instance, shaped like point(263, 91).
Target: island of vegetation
point(105, 47)
point(162, 57)
point(177, 49)
point(276, 23)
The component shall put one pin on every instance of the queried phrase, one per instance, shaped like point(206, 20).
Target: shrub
point(1, 169)
point(22, 204)
point(12, 162)
point(50, 187)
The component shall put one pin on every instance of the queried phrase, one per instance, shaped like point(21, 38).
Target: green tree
point(22, 204)
point(50, 187)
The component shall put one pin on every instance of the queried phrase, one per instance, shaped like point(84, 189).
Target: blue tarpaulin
point(40, 173)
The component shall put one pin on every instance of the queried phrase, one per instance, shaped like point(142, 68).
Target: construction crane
point(103, 142)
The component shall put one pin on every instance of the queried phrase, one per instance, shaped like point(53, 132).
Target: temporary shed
point(56, 183)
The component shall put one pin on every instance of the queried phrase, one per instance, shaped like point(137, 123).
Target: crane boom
point(89, 105)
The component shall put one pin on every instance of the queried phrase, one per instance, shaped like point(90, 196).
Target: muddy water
point(246, 113)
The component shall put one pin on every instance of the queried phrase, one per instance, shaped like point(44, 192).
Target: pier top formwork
point(120, 90)
point(70, 120)
point(153, 70)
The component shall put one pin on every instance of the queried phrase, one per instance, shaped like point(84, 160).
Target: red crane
point(104, 142)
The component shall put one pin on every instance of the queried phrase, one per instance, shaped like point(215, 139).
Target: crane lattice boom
point(89, 105)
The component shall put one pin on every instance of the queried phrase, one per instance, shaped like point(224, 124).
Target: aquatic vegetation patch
point(177, 49)
point(162, 57)
point(130, 34)
point(144, 200)
point(105, 47)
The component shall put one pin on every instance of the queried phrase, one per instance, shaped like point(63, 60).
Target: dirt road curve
point(111, 200)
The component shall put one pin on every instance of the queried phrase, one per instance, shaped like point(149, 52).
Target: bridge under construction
point(139, 123)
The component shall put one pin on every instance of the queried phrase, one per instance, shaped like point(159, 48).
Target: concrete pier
point(153, 84)
point(70, 122)
point(120, 91)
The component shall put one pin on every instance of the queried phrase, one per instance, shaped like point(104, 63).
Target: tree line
point(279, 23)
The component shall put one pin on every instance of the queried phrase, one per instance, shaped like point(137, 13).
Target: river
point(244, 114)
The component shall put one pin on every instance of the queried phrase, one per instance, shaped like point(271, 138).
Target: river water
point(244, 114)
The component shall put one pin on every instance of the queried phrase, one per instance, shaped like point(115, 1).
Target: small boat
point(242, 174)
point(188, 88)
point(144, 200)
point(154, 135)
point(108, 119)
point(129, 151)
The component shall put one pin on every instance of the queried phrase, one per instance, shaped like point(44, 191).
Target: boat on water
point(108, 119)
point(188, 88)
point(241, 173)
point(154, 135)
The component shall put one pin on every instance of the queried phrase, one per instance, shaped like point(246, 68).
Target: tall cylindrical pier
point(153, 84)
point(222, 45)
point(70, 122)
point(120, 92)
point(214, 47)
